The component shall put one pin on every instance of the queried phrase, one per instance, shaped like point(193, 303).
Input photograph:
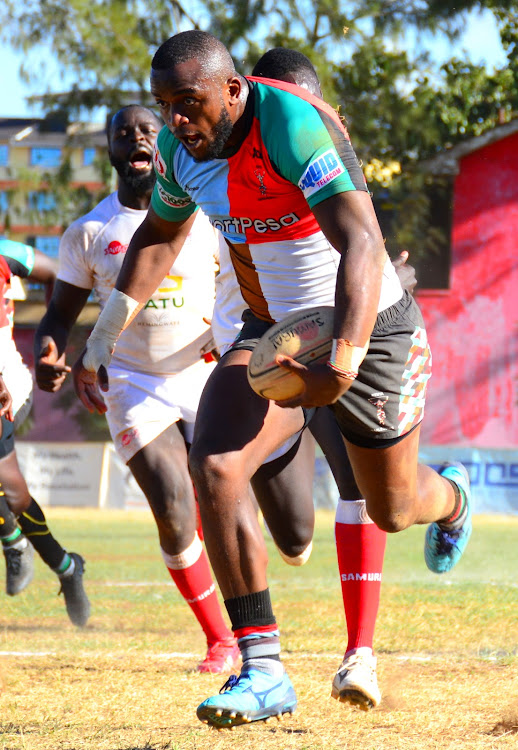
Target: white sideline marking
point(136, 584)
point(28, 653)
point(186, 655)
point(421, 658)
point(443, 582)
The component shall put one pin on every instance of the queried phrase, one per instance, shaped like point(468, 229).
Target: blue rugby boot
point(252, 696)
point(443, 548)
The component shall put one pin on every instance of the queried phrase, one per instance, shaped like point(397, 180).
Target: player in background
point(231, 142)
point(21, 518)
point(159, 372)
point(152, 407)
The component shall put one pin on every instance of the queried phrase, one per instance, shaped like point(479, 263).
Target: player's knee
point(17, 500)
point(294, 542)
point(392, 518)
point(211, 470)
point(296, 556)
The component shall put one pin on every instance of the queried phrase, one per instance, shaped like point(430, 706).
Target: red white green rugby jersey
point(296, 154)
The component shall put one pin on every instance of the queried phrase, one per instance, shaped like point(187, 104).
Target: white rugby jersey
point(166, 335)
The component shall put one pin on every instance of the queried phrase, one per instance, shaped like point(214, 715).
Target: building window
point(88, 156)
point(40, 201)
point(4, 154)
point(47, 245)
point(45, 157)
point(430, 248)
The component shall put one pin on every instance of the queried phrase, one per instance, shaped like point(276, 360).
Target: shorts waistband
point(392, 314)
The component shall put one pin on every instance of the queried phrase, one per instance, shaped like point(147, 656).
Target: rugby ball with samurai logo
point(306, 336)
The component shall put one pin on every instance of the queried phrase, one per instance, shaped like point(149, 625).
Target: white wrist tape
point(117, 314)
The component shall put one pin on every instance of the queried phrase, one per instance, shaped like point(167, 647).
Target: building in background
point(43, 164)
point(472, 405)
point(51, 172)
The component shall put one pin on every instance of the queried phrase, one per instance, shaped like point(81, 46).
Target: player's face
point(194, 107)
point(133, 133)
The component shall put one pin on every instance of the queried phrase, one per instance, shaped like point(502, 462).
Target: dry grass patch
point(446, 651)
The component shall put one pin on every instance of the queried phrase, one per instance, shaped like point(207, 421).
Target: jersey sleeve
point(309, 147)
point(73, 267)
point(19, 257)
point(168, 200)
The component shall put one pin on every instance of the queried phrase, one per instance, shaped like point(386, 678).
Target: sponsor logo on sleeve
point(159, 162)
point(320, 172)
point(128, 436)
point(115, 247)
point(176, 201)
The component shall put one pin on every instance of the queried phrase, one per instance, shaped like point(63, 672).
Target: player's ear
point(235, 86)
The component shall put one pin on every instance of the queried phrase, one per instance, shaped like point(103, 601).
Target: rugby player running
point(304, 234)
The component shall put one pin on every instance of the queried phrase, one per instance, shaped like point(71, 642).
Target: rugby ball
point(306, 336)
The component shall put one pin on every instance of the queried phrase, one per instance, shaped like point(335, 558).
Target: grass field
point(447, 650)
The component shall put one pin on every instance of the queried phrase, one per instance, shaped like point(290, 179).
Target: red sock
point(191, 572)
point(360, 547)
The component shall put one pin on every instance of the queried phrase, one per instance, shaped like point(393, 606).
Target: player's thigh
point(13, 483)
point(387, 477)
point(161, 469)
point(284, 491)
point(232, 419)
point(325, 430)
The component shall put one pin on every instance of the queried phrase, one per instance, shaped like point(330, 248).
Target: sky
point(480, 41)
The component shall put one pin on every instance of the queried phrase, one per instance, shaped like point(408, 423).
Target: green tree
point(399, 109)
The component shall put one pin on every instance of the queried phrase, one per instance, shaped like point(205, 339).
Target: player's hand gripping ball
point(306, 336)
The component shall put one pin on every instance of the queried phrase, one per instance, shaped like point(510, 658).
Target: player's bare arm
point(151, 253)
point(44, 272)
point(349, 223)
point(52, 334)
point(6, 402)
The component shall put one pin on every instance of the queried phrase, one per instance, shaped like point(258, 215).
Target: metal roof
point(447, 161)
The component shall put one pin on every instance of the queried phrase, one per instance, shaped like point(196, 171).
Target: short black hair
point(284, 64)
point(204, 47)
point(111, 117)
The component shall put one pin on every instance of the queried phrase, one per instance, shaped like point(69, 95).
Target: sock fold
point(191, 573)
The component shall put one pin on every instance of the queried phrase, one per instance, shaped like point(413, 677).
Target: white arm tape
point(117, 314)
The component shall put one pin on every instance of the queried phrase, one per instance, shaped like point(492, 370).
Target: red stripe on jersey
point(260, 199)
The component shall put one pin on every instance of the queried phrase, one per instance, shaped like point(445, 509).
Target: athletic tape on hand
point(346, 358)
point(117, 314)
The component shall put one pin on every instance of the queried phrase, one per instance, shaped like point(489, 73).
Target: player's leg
point(401, 492)
point(18, 553)
point(235, 432)
point(360, 547)
point(69, 567)
point(380, 418)
point(284, 491)
point(161, 470)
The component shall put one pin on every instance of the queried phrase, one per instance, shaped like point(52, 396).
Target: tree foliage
point(399, 109)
